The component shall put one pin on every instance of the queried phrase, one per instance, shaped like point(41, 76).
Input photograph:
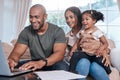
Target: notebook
point(4, 67)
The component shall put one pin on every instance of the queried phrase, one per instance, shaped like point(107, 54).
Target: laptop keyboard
point(17, 70)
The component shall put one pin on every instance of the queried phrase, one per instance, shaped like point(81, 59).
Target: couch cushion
point(114, 75)
point(111, 43)
point(7, 48)
point(26, 54)
point(115, 57)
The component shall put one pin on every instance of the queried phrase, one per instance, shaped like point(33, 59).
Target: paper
point(58, 75)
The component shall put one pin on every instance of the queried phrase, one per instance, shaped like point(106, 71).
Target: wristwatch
point(46, 62)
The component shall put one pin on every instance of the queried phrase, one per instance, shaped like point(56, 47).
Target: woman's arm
point(104, 51)
point(74, 48)
point(104, 45)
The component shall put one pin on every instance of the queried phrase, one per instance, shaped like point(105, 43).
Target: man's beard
point(37, 30)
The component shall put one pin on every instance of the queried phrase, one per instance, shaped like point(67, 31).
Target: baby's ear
point(81, 33)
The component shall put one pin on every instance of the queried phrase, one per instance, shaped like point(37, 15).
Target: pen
point(38, 78)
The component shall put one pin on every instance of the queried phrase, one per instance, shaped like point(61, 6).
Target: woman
point(74, 19)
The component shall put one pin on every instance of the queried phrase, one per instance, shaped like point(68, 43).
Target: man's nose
point(33, 20)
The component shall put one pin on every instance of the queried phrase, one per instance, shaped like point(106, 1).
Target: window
point(110, 26)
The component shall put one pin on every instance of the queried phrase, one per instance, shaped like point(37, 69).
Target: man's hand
point(12, 64)
point(34, 65)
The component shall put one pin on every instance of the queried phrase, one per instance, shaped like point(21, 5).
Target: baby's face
point(87, 21)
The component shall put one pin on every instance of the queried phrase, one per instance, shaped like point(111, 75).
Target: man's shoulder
point(28, 29)
point(53, 26)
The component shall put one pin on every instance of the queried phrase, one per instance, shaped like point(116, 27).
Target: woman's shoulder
point(68, 33)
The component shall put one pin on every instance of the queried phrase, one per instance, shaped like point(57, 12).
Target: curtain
point(118, 1)
point(13, 15)
point(1, 17)
point(22, 7)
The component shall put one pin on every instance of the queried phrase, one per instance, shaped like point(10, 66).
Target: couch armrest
point(115, 57)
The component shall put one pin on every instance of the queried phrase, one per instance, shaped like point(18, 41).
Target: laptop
point(4, 66)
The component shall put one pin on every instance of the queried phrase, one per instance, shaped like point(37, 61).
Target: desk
point(28, 76)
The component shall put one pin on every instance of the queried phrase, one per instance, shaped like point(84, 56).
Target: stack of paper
point(58, 75)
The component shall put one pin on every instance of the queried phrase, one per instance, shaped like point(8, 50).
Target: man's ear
point(45, 16)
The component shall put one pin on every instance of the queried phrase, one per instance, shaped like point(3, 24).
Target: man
point(46, 42)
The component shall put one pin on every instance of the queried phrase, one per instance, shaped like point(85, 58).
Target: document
point(58, 75)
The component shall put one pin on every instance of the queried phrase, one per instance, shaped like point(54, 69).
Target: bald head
point(39, 7)
point(37, 16)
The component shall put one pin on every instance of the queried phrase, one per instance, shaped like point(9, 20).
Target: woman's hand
point(99, 51)
point(106, 59)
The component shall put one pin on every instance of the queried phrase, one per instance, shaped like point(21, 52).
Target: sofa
point(8, 48)
point(114, 57)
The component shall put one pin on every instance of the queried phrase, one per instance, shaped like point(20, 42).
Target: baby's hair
point(95, 14)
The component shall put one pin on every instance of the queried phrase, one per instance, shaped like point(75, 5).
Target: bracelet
point(46, 62)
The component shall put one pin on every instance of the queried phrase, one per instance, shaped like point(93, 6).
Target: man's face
point(37, 18)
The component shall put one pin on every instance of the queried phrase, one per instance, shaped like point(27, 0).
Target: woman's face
point(71, 19)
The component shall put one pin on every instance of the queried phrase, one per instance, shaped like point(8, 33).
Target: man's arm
point(58, 53)
point(16, 53)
